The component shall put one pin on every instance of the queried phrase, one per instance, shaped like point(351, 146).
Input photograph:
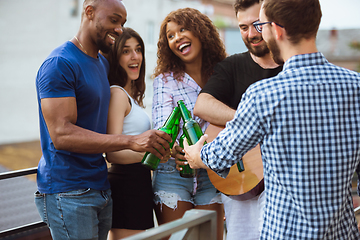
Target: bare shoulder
point(119, 101)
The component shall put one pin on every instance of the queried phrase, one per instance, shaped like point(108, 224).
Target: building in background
point(30, 30)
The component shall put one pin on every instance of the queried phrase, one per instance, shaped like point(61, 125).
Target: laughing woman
point(130, 181)
point(189, 46)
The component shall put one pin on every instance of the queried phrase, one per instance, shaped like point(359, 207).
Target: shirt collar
point(191, 82)
point(305, 60)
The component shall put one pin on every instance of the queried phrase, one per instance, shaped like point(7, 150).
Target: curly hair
point(117, 75)
point(203, 28)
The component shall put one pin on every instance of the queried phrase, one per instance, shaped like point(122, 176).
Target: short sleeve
point(56, 78)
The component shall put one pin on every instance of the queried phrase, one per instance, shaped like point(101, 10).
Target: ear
point(90, 12)
point(279, 31)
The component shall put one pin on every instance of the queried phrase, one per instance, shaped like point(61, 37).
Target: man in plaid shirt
point(307, 122)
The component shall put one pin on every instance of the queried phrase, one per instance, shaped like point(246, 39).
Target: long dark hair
point(117, 75)
point(203, 28)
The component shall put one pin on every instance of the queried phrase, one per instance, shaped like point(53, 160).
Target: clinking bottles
point(191, 128)
point(187, 171)
point(171, 127)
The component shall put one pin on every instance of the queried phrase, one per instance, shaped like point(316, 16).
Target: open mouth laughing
point(184, 47)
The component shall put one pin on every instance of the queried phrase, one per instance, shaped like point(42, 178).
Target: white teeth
point(112, 38)
point(134, 65)
point(182, 46)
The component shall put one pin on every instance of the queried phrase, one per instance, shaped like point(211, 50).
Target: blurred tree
point(356, 45)
point(219, 22)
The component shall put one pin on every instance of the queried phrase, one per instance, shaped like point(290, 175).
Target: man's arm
point(60, 115)
point(212, 110)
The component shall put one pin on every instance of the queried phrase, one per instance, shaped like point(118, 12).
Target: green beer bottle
point(191, 128)
point(187, 171)
point(171, 127)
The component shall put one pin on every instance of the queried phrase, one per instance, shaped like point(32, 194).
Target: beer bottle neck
point(184, 111)
point(172, 119)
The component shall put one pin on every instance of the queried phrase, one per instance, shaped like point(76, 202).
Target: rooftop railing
point(35, 228)
point(195, 224)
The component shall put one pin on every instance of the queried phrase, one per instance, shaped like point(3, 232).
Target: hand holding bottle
point(153, 141)
point(192, 153)
point(170, 127)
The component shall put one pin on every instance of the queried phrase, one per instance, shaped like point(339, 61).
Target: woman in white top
point(130, 181)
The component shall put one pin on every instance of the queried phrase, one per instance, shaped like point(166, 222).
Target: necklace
point(80, 45)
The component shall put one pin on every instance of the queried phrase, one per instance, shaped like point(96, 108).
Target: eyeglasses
point(259, 25)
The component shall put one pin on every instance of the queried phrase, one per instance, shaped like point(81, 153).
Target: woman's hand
point(178, 154)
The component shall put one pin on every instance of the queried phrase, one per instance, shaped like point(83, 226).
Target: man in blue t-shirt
point(73, 196)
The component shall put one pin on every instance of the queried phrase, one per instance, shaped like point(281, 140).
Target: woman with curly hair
point(130, 182)
point(189, 46)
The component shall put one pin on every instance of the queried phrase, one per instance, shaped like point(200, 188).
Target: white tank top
point(137, 121)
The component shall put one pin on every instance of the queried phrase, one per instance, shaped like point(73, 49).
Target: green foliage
point(220, 23)
point(356, 45)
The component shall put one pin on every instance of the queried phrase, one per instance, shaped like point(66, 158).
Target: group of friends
point(282, 94)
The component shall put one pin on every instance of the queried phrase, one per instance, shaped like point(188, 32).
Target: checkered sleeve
point(358, 179)
point(162, 104)
point(243, 132)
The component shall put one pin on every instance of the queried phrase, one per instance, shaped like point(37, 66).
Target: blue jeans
point(79, 214)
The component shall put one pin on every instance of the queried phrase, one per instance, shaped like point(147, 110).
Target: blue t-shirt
point(68, 72)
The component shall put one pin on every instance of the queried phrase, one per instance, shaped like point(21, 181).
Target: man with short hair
point(307, 122)
point(223, 92)
point(74, 197)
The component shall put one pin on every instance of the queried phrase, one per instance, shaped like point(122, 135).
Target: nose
point(253, 32)
point(178, 36)
point(134, 54)
point(119, 30)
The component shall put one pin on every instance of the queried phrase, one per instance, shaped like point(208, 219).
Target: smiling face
point(183, 43)
point(131, 58)
point(110, 17)
point(252, 38)
point(270, 40)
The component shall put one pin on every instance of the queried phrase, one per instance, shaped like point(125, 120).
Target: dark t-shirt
point(233, 76)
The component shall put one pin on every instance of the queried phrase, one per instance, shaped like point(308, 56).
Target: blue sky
point(341, 14)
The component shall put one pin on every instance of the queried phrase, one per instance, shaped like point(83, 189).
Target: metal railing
point(18, 173)
point(194, 225)
point(32, 227)
point(357, 210)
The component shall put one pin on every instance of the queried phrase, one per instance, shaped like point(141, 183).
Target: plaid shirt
point(167, 92)
point(307, 122)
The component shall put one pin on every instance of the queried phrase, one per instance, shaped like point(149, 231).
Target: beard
point(275, 52)
point(103, 47)
point(258, 51)
point(101, 40)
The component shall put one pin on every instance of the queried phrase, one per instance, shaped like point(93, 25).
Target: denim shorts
point(169, 187)
point(79, 214)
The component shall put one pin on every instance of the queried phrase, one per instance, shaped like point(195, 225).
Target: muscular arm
point(60, 115)
point(212, 110)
